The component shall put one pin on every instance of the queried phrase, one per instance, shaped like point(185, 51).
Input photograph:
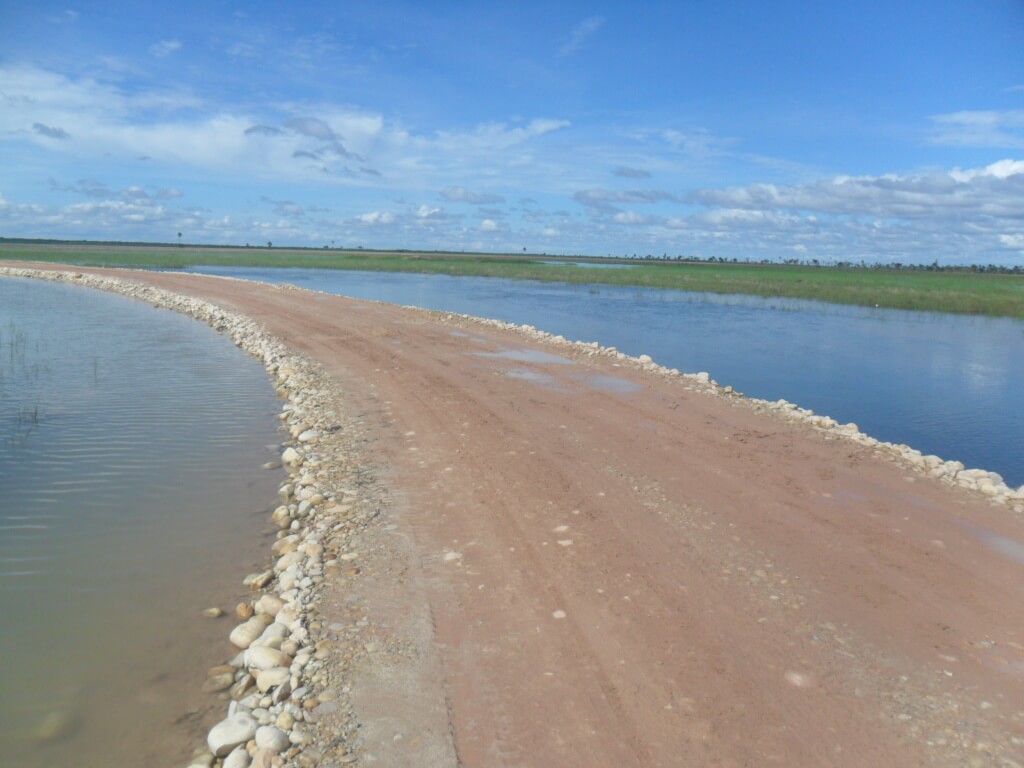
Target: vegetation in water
point(979, 291)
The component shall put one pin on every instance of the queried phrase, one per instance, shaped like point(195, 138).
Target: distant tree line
point(679, 259)
point(862, 264)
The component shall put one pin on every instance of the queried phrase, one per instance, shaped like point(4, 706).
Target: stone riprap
point(283, 670)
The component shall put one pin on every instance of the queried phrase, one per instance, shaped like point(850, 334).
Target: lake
point(131, 498)
point(944, 384)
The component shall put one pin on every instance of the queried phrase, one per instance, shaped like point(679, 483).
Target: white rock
point(309, 434)
point(273, 635)
point(269, 737)
point(291, 456)
point(268, 678)
point(269, 604)
point(230, 733)
point(265, 657)
point(283, 691)
point(289, 616)
point(285, 561)
point(238, 758)
point(245, 633)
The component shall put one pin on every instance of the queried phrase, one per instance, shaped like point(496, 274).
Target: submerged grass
point(998, 295)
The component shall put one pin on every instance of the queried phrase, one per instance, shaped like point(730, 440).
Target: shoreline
point(277, 662)
point(958, 292)
point(323, 505)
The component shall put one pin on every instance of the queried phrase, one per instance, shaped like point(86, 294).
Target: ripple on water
point(130, 450)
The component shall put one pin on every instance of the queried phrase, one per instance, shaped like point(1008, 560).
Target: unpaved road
point(621, 572)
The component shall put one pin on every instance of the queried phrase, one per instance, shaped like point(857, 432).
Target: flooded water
point(131, 498)
point(944, 384)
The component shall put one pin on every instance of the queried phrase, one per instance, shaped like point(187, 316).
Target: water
point(589, 264)
point(131, 498)
point(944, 384)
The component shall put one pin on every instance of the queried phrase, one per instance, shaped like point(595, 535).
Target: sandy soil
point(590, 565)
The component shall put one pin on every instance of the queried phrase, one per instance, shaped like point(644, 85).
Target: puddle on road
point(1007, 547)
point(524, 355)
point(545, 380)
point(610, 384)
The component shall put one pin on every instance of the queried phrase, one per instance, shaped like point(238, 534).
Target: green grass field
point(958, 292)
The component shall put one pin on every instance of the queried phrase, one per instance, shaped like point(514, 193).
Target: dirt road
point(607, 569)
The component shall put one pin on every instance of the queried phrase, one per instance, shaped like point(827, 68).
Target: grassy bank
point(962, 293)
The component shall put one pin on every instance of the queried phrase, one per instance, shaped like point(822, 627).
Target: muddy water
point(131, 498)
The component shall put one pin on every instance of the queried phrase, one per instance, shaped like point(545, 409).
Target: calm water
point(944, 384)
point(131, 498)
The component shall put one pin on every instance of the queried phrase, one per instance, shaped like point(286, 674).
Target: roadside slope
point(598, 566)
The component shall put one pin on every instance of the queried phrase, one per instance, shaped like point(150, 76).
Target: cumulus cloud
point(164, 48)
point(51, 132)
point(488, 225)
point(995, 190)
point(579, 35)
point(376, 217)
point(457, 194)
point(962, 214)
point(425, 211)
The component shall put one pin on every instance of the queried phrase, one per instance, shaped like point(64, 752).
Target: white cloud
point(606, 199)
point(491, 136)
point(65, 17)
point(165, 48)
point(458, 194)
point(973, 215)
point(630, 217)
point(981, 128)
point(489, 225)
point(626, 172)
point(313, 143)
point(425, 211)
point(579, 35)
point(377, 217)
point(244, 50)
point(995, 190)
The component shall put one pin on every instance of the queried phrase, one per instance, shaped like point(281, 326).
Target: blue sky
point(812, 130)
